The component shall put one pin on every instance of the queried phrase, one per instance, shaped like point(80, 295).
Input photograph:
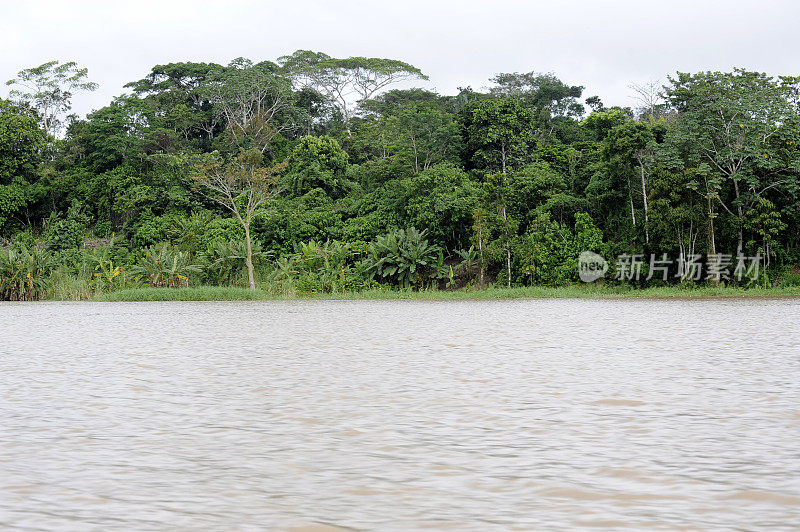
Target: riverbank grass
point(223, 293)
point(199, 293)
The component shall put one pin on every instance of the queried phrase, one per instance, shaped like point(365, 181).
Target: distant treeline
point(314, 172)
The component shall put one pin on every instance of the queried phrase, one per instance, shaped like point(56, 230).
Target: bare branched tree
point(254, 102)
point(242, 186)
point(649, 96)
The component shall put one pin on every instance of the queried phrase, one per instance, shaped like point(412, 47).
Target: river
point(401, 415)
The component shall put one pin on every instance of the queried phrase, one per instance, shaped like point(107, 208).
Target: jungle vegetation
point(316, 174)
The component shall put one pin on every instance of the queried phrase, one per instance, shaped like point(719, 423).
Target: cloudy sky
point(603, 45)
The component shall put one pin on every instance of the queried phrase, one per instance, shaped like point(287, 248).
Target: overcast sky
point(603, 45)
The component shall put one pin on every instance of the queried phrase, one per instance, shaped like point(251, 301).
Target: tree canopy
point(311, 169)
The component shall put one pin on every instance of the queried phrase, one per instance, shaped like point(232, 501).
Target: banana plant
point(24, 273)
point(283, 275)
point(150, 266)
point(165, 266)
point(177, 268)
point(107, 275)
point(309, 255)
point(333, 270)
point(470, 261)
point(404, 257)
point(225, 262)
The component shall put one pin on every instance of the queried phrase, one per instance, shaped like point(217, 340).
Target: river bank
point(220, 293)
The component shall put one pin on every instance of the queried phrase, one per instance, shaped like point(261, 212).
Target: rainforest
point(312, 175)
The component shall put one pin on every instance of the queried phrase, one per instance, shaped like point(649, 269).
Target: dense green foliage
point(311, 174)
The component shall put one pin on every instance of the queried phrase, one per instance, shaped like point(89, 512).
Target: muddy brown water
point(400, 415)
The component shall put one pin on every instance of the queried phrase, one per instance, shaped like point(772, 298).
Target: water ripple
point(324, 416)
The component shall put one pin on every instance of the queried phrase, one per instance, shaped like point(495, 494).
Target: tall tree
point(496, 133)
point(727, 127)
point(21, 144)
point(347, 83)
point(178, 91)
point(550, 99)
point(650, 99)
point(49, 89)
point(255, 102)
point(426, 134)
point(241, 185)
point(630, 147)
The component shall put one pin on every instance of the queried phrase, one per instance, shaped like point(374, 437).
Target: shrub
point(64, 233)
point(225, 262)
point(403, 257)
point(106, 275)
point(153, 230)
point(328, 267)
point(220, 230)
point(164, 266)
point(24, 273)
point(187, 232)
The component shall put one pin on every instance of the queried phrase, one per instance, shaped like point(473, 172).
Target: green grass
point(566, 292)
point(200, 293)
point(222, 293)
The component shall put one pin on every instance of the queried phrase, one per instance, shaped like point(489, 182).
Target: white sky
point(603, 45)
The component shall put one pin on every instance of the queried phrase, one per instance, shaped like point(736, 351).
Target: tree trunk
point(712, 244)
point(644, 199)
point(249, 258)
point(480, 249)
point(505, 222)
point(740, 244)
point(507, 235)
point(508, 264)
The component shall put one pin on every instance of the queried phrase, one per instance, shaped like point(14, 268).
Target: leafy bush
point(225, 262)
point(470, 264)
point(103, 229)
point(220, 230)
point(548, 252)
point(164, 266)
point(403, 257)
point(329, 267)
point(790, 276)
point(66, 232)
point(441, 200)
point(187, 232)
point(24, 273)
point(153, 230)
point(317, 162)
